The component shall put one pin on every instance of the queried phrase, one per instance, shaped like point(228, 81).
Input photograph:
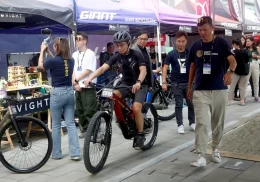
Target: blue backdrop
point(14, 43)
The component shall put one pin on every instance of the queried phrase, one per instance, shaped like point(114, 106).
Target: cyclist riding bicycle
point(133, 68)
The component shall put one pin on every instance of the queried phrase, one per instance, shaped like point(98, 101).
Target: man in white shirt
point(85, 65)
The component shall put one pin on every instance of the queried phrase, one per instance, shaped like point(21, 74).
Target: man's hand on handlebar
point(136, 87)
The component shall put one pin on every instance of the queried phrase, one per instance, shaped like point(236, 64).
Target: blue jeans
point(63, 101)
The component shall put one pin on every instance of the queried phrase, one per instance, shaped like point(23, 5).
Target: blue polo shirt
point(61, 70)
point(175, 59)
point(219, 66)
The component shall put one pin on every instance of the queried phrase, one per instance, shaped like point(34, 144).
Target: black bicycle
point(163, 101)
point(26, 142)
point(98, 139)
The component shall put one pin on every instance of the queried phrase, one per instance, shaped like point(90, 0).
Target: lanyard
point(212, 47)
point(81, 59)
point(180, 57)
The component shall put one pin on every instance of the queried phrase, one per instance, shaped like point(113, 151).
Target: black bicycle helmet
point(121, 36)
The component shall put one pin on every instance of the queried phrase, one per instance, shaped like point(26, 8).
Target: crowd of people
point(200, 75)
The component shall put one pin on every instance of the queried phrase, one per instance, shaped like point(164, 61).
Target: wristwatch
point(138, 81)
point(231, 71)
point(164, 82)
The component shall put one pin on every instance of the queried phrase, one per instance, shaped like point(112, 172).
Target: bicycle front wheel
point(164, 103)
point(97, 142)
point(27, 156)
point(150, 125)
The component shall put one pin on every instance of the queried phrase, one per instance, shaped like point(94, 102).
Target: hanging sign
point(228, 32)
point(118, 27)
point(185, 28)
point(12, 17)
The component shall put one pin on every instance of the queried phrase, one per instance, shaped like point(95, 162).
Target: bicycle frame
point(10, 114)
point(118, 103)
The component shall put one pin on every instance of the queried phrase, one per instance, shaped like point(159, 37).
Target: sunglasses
point(78, 39)
point(203, 20)
point(60, 39)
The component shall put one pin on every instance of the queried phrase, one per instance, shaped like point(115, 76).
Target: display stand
point(8, 136)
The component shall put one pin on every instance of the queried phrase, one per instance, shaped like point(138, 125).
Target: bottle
point(148, 96)
point(3, 85)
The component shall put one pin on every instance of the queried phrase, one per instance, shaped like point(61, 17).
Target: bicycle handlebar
point(91, 84)
point(11, 100)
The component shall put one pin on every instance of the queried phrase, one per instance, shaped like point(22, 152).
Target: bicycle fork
point(17, 128)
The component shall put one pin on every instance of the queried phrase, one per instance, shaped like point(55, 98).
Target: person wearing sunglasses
point(141, 41)
point(62, 98)
point(85, 65)
point(133, 68)
point(208, 66)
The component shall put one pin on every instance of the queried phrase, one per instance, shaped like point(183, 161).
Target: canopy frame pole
point(159, 47)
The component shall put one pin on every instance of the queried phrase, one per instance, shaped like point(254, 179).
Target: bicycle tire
point(33, 121)
point(150, 143)
point(91, 135)
point(160, 117)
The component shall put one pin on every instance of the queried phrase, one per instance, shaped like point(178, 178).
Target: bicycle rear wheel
point(150, 125)
point(164, 103)
point(34, 153)
point(97, 142)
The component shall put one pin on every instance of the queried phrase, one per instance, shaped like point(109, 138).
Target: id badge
point(79, 68)
point(183, 69)
point(206, 69)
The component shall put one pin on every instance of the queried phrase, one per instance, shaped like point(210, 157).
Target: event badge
point(183, 67)
point(79, 68)
point(206, 69)
point(182, 63)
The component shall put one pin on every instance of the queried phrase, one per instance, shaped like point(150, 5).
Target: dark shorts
point(139, 96)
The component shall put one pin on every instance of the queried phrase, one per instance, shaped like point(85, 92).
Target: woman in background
point(254, 65)
point(240, 76)
point(62, 96)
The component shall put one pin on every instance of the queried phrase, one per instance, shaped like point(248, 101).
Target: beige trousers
point(254, 71)
point(242, 85)
point(204, 101)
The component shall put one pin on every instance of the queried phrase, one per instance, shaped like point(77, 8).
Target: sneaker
point(181, 129)
point(82, 135)
point(257, 99)
point(201, 162)
point(55, 158)
point(75, 158)
point(139, 142)
point(192, 127)
point(216, 156)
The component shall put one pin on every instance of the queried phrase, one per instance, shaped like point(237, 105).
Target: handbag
point(246, 66)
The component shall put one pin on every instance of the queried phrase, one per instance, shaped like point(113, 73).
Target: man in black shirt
point(142, 38)
point(110, 74)
point(133, 68)
point(208, 66)
point(178, 58)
